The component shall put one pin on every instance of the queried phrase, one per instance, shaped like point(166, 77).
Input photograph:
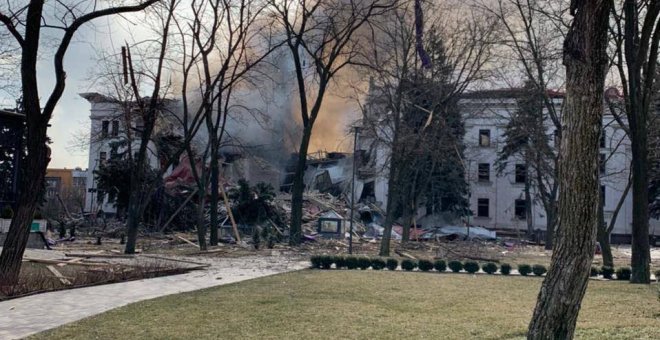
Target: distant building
point(66, 182)
point(497, 200)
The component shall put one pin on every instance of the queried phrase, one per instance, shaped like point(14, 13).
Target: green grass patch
point(313, 304)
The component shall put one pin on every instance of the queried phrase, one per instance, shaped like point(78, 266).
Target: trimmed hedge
point(471, 267)
point(524, 269)
point(489, 268)
point(351, 262)
point(364, 263)
point(408, 264)
point(455, 266)
point(594, 272)
point(505, 269)
point(607, 272)
point(440, 265)
point(377, 264)
point(316, 261)
point(539, 269)
point(340, 262)
point(425, 265)
point(326, 261)
point(392, 264)
point(623, 273)
point(657, 275)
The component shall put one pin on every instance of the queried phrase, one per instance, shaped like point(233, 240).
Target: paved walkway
point(29, 315)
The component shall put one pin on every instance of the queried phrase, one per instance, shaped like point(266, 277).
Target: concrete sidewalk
point(32, 314)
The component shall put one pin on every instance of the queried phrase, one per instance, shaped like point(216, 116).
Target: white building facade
point(497, 200)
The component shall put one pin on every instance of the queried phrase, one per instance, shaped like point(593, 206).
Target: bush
point(471, 267)
point(440, 265)
point(7, 212)
point(340, 262)
point(623, 273)
point(316, 261)
point(489, 268)
point(408, 264)
point(392, 264)
point(524, 269)
point(326, 261)
point(607, 272)
point(505, 269)
point(377, 264)
point(539, 269)
point(455, 266)
point(364, 263)
point(594, 272)
point(351, 262)
point(657, 275)
point(425, 265)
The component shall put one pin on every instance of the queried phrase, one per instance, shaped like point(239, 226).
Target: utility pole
point(350, 234)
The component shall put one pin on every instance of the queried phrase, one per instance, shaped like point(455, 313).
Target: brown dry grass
point(342, 304)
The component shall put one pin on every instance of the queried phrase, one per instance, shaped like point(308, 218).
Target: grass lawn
point(314, 304)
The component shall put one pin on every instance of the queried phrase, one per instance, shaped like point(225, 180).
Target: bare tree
point(636, 36)
point(463, 49)
point(586, 61)
point(323, 39)
point(25, 22)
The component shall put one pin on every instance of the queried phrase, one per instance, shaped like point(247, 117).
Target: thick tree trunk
point(586, 61)
point(295, 232)
point(551, 224)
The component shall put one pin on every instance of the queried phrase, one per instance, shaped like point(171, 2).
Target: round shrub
point(377, 264)
point(316, 261)
point(524, 269)
point(340, 262)
point(657, 275)
point(505, 269)
point(392, 264)
point(489, 268)
point(539, 269)
point(440, 265)
point(326, 261)
point(425, 265)
point(594, 272)
point(607, 272)
point(623, 273)
point(455, 266)
point(471, 266)
point(351, 262)
point(408, 264)
point(364, 263)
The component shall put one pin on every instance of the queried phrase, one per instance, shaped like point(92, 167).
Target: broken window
point(602, 162)
point(484, 138)
point(115, 128)
point(482, 207)
point(484, 172)
point(521, 173)
point(520, 209)
point(104, 128)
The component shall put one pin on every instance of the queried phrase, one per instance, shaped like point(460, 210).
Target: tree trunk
point(201, 223)
point(551, 223)
point(295, 232)
point(215, 197)
point(585, 58)
point(641, 258)
point(32, 173)
point(30, 190)
point(603, 236)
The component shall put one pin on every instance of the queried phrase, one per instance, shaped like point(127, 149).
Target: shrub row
point(361, 262)
point(354, 262)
